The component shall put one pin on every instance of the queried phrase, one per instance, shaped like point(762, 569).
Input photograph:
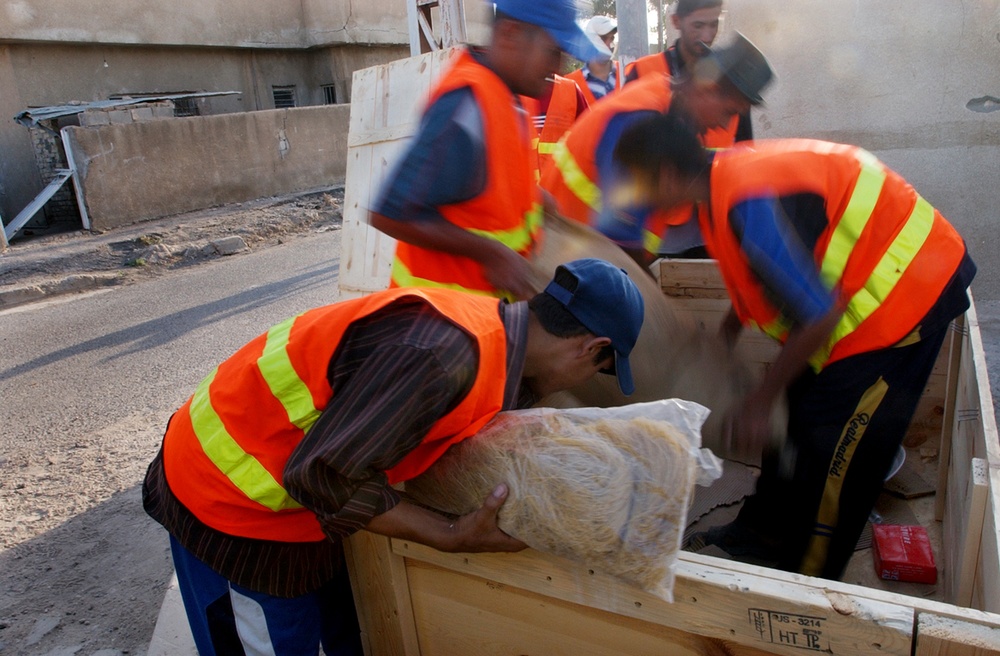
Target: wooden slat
point(380, 127)
point(691, 279)
point(985, 593)
point(780, 615)
point(948, 636)
point(459, 615)
point(382, 596)
point(964, 526)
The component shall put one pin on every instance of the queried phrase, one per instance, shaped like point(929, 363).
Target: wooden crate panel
point(382, 597)
point(457, 615)
point(736, 605)
point(948, 636)
point(386, 102)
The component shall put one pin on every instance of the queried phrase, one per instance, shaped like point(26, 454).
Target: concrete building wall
point(145, 170)
point(217, 23)
point(38, 75)
point(907, 81)
point(19, 177)
point(57, 51)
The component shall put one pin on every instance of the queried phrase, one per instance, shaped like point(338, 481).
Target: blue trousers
point(227, 619)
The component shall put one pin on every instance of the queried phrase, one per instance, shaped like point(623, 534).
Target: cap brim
point(623, 372)
point(576, 43)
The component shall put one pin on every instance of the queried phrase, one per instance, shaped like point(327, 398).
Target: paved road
point(88, 382)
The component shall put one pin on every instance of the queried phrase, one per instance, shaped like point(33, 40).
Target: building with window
point(272, 54)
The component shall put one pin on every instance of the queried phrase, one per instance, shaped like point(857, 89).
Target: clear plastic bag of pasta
point(606, 487)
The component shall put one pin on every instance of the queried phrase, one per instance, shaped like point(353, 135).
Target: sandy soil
point(51, 558)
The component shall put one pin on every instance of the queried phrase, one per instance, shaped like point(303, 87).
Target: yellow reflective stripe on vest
point(777, 329)
point(883, 279)
point(520, 238)
point(546, 147)
point(286, 386)
point(242, 469)
point(574, 178)
point(402, 276)
point(859, 210)
point(651, 241)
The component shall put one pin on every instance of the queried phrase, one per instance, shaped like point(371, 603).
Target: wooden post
point(453, 28)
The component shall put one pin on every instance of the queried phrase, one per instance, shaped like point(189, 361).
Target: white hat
point(602, 25)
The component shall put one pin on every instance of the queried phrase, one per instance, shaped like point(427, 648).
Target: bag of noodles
point(606, 487)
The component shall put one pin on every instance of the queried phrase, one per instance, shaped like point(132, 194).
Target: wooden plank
point(964, 525)
point(459, 615)
point(985, 592)
point(380, 127)
point(975, 436)
point(691, 279)
point(382, 596)
point(782, 615)
point(948, 636)
point(978, 369)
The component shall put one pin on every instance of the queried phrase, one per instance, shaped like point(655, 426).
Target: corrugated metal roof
point(31, 117)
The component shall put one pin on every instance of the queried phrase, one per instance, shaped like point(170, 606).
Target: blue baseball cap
point(608, 303)
point(558, 17)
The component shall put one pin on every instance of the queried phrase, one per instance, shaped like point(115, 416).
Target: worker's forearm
point(476, 531)
point(439, 235)
point(793, 359)
point(730, 328)
point(407, 521)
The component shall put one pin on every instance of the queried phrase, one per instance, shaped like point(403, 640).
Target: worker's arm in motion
point(392, 380)
point(505, 269)
point(784, 266)
point(444, 165)
point(748, 428)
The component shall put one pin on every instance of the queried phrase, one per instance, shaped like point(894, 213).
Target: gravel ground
point(35, 268)
point(59, 509)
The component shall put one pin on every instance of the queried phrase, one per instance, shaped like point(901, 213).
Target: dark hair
point(686, 7)
point(648, 145)
point(559, 321)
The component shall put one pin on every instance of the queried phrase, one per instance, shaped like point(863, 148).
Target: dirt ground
point(50, 560)
point(154, 248)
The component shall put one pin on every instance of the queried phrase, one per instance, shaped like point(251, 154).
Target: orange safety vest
point(581, 82)
point(225, 450)
point(509, 208)
point(648, 65)
point(559, 116)
point(885, 252)
point(658, 63)
point(573, 178)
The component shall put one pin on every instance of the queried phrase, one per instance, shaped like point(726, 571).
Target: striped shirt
point(395, 373)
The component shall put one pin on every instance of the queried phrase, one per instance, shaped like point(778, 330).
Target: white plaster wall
point(895, 77)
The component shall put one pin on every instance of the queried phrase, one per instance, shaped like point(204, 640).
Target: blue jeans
point(227, 619)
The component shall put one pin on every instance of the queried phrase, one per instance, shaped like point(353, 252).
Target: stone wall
point(140, 171)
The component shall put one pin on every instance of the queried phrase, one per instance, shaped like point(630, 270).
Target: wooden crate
point(414, 600)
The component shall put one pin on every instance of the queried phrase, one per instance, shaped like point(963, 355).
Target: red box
point(903, 553)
